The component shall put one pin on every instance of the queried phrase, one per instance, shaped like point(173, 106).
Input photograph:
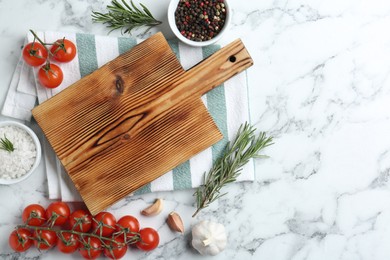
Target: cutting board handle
point(213, 71)
point(197, 81)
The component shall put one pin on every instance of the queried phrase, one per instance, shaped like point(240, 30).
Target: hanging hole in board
point(232, 58)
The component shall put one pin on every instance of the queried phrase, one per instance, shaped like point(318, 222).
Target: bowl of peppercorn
point(199, 22)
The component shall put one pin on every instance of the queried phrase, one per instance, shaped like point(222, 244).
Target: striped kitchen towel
point(228, 105)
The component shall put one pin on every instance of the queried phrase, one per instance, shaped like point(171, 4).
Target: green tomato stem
point(105, 240)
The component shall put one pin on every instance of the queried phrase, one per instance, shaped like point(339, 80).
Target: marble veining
point(320, 85)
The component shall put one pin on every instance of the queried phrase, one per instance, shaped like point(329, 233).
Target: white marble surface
point(320, 85)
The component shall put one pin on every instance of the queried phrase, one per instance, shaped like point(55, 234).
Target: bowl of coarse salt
point(20, 152)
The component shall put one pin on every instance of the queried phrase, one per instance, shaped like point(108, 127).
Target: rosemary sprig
point(237, 153)
point(125, 17)
point(6, 144)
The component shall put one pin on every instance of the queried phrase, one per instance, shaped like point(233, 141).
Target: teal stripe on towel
point(174, 44)
point(125, 44)
point(181, 174)
point(144, 189)
point(86, 49)
point(216, 104)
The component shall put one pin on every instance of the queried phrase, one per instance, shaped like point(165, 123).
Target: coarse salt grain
point(17, 163)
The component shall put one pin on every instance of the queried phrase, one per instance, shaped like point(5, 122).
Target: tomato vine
point(90, 235)
point(36, 53)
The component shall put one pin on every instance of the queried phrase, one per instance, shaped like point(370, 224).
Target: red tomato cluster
point(79, 231)
point(36, 54)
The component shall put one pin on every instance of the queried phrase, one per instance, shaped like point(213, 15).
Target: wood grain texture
point(135, 118)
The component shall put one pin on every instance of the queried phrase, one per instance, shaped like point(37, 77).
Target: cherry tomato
point(58, 213)
point(34, 54)
point(68, 244)
point(44, 239)
point(115, 249)
point(104, 224)
point(50, 76)
point(63, 50)
point(149, 239)
point(90, 247)
point(19, 240)
point(80, 220)
point(34, 215)
point(128, 224)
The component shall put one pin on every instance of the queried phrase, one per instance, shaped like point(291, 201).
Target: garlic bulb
point(208, 237)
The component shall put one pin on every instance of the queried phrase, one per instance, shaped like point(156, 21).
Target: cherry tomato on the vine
point(44, 239)
point(34, 54)
point(104, 224)
point(34, 215)
point(129, 225)
point(80, 220)
point(115, 249)
point(50, 75)
point(19, 240)
point(58, 212)
point(149, 239)
point(63, 50)
point(68, 243)
point(90, 247)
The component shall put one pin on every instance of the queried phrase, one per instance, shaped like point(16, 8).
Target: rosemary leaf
point(226, 170)
point(6, 144)
point(125, 17)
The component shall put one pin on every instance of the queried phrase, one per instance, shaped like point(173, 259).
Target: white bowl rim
point(172, 24)
point(37, 147)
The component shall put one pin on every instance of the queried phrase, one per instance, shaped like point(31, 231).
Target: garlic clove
point(153, 209)
point(175, 222)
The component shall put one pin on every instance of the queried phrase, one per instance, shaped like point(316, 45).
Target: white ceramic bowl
point(172, 23)
point(37, 147)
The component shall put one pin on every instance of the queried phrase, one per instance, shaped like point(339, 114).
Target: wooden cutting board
point(134, 119)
